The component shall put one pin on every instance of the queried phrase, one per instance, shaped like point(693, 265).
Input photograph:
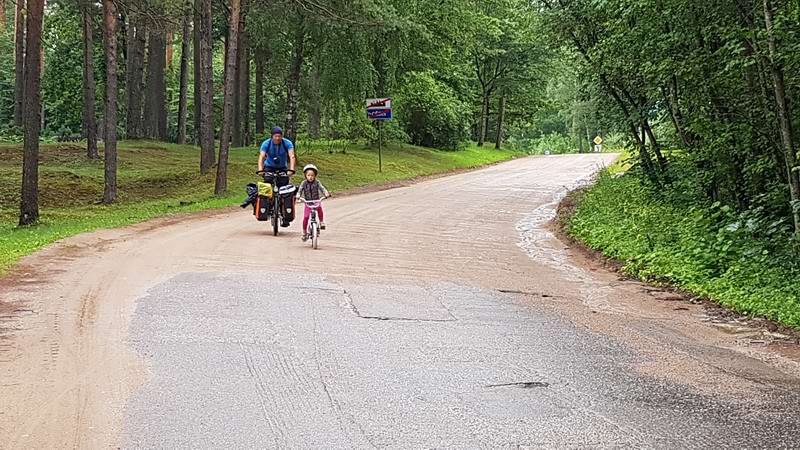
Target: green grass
point(705, 250)
point(157, 179)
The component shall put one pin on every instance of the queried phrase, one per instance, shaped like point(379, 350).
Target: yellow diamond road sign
point(598, 140)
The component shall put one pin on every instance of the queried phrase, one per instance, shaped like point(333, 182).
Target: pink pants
point(307, 216)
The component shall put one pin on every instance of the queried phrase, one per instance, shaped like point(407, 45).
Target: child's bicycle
point(313, 229)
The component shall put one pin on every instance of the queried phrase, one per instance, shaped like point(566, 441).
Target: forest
point(699, 95)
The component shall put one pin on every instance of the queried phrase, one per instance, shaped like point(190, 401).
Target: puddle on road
point(542, 246)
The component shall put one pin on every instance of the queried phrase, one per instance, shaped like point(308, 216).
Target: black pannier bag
point(262, 208)
point(287, 194)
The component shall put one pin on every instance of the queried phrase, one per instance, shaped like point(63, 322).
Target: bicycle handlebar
point(279, 172)
point(311, 203)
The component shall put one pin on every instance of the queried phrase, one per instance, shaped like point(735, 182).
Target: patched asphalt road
point(305, 361)
point(442, 314)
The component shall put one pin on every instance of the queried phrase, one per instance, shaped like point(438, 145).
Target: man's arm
point(261, 156)
point(292, 161)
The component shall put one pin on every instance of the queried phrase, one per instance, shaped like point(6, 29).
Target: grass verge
point(158, 179)
point(699, 250)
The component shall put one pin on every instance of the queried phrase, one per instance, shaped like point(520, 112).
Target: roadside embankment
point(707, 252)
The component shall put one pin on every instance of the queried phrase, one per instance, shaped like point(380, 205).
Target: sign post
point(380, 146)
point(598, 144)
point(378, 110)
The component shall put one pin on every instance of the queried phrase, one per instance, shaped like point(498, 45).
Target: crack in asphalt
point(522, 384)
point(532, 294)
point(342, 414)
point(350, 304)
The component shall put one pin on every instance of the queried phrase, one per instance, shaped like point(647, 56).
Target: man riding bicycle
point(276, 156)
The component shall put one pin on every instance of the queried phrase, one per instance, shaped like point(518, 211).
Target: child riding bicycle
point(311, 190)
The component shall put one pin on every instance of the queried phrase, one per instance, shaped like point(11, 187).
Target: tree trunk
point(261, 60)
point(19, 61)
point(155, 113)
point(240, 91)
point(3, 24)
point(244, 96)
point(170, 49)
point(110, 118)
point(315, 101)
point(207, 88)
point(672, 98)
point(29, 206)
point(221, 185)
point(134, 76)
point(89, 121)
point(483, 117)
point(184, 83)
point(662, 161)
point(574, 131)
point(588, 141)
point(196, 68)
point(784, 117)
point(293, 83)
point(501, 117)
point(236, 126)
point(644, 155)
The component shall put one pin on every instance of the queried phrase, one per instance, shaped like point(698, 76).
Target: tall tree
point(29, 207)
point(169, 49)
point(244, 94)
point(3, 23)
point(261, 60)
point(501, 117)
point(314, 98)
point(239, 95)
point(136, 41)
point(293, 82)
point(89, 120)
point(184, 80)
point(198, 88)
point(221, 185)
point(207, 88)
point(19, 61)
point(110, 117)
point(784, 116)
point(155, 107)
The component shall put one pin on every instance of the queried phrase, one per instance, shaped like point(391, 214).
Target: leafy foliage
point(430, 112)
point(733, 258)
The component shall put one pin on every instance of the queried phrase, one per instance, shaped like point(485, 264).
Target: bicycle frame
point(313, 205)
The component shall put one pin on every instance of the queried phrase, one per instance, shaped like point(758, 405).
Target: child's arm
point(301, 189)
point(325, 192)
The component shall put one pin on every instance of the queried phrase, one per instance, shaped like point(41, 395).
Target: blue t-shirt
point(277, 155)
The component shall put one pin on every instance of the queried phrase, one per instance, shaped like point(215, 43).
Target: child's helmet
point(311, 167)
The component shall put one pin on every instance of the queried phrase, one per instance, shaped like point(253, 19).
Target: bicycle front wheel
point(314, 235)
point(275, 216)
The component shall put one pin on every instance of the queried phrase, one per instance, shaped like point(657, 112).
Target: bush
point(745, 261)
point(556, 143)
point(430, 113)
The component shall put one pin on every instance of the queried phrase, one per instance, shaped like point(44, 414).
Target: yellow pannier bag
point(265, 190)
